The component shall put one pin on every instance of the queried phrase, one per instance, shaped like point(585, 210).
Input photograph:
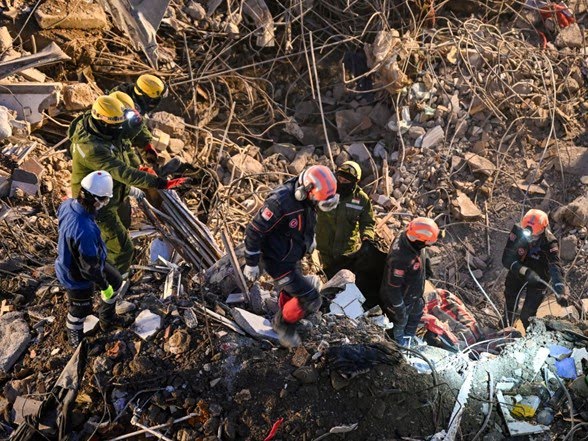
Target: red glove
point(149, 170)
point(561, 12)
point(150, 151)
point(175, 183)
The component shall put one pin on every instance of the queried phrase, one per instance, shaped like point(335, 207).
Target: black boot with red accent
point(287, 334)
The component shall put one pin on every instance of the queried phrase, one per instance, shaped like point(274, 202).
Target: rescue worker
point(81, 261)
point(531, 256)
point(348, 228)
point(146, 94)
point(280, 234)
point(96, 145)
point(405, 273)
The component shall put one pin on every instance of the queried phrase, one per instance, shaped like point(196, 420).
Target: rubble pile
point(465, 113)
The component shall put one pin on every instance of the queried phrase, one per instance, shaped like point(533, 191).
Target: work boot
point(74, 337)
point(287, 334)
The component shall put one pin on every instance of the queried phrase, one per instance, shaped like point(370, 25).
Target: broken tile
point(14, 339)
point(90, 323)
point(146, 324)
point(254, 325)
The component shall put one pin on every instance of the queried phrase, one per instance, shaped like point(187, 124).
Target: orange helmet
point(536, 221)
point(422, 229)
point(318, 184)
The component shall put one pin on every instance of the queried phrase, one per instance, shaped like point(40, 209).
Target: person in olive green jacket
point(346, 229)
point(96, 145)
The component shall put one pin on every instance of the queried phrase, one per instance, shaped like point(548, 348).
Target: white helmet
point(98, 183)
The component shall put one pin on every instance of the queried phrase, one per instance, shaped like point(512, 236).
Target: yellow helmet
point(124, 99)
point(150, 85)
point(350, 169)
point(108, 110)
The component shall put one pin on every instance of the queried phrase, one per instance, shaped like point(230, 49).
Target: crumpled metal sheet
point(140, 20)
point(50, 54)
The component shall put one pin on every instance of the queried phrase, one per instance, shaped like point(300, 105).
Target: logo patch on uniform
point(399, 273)
point(416, 265)
point(512, 237)
point(355, 200)
point(521, 251)
point(293, 223)
point(267, 214)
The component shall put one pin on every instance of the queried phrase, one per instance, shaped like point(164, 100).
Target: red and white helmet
point(536, 221)
point(318, 184)
point(422, 229)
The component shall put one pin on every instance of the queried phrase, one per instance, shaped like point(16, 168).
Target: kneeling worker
point(81, 262)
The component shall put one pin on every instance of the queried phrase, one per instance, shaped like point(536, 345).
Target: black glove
point(532, 278)
point(563, 300)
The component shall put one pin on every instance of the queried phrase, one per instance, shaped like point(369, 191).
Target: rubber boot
point(287, 334)
point(107, 314)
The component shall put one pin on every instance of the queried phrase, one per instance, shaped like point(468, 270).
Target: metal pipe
point(485, 294)
point(161, 426)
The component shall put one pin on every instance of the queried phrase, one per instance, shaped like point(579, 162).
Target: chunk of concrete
point(160, 140)
point(242, 164)
point(348, 302)
point(575, 213)
point(85, 15)
point(359, 152)
point(147, 324)
point(567, 248)
point(171, 124)
point(27, 177)
point(339, 280)
point(463, 208)
point(433, 137)
point(78, 96)
point(570, 36)
point(90, 323)
point(288, 151)
point(24, 407)
point(479, 164)
point(550, 308)
point(254, 325)
point(5, 39)
point(573, 160)
point(30, 100)
point(14, 339)
point(301, 160)
point(5, 126)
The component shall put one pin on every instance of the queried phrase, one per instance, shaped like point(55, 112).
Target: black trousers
point(533, 298)
point(80, 300)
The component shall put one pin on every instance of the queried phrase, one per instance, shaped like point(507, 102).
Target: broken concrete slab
point(433, 137)
point(463, 208)
point(86, 15)
point(575, 213)
point(550, 308)
point(14, 339)
point(79, 96)
point(348, 302)
point(479, 164)
point(5, 39)
point(124, 307)
point(30, 100)
point(171, 124)
point(50, 54)
point(140, 20)
point(301, 160)
point(27, 177)
point(570, 36)
point(242, 164)
point(24, 407)
point(288, 151)
point(359, 152)
point(572, 159)
point(147, 324)
point(254, 325)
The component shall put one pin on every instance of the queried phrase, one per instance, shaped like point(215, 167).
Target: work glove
point(150, 153)
point(532, 278)
point(137, 193)
point(561, 13)
point(176, 183)
point(107, 293)
point(147, 169)
point(563, 300)
point(312, 246)
point(251, 273)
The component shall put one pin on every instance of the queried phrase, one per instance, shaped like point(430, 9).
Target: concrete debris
point(147, 324)
point(5, 126)
point(264, 22)
point(479, 164)
point(432, 138)
point(254, 325)
point(27, 177)
point(463, 208)
point(179, 342)
point(572, 159)
point(14, 339)
point(571, 36)
point(575, 213)
point(339, 280)
point(78, 96)
point(550, 308)
point(5, 39)
point(288, 151)
point(90, 324)
point(176, 146)
point(24, 407)
point(348, 302)
point(359, 153)
point(160, 140)
point(301, 160)
point(88, 15)
point(195, 10)
point(31, 100)
point(50, 54)
point(567, 247)
point(124, 307)
point(531, 189)
point(169, 123)
point(242, 164)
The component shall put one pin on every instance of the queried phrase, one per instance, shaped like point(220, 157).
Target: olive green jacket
point(91, 151)
point(340, 231)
